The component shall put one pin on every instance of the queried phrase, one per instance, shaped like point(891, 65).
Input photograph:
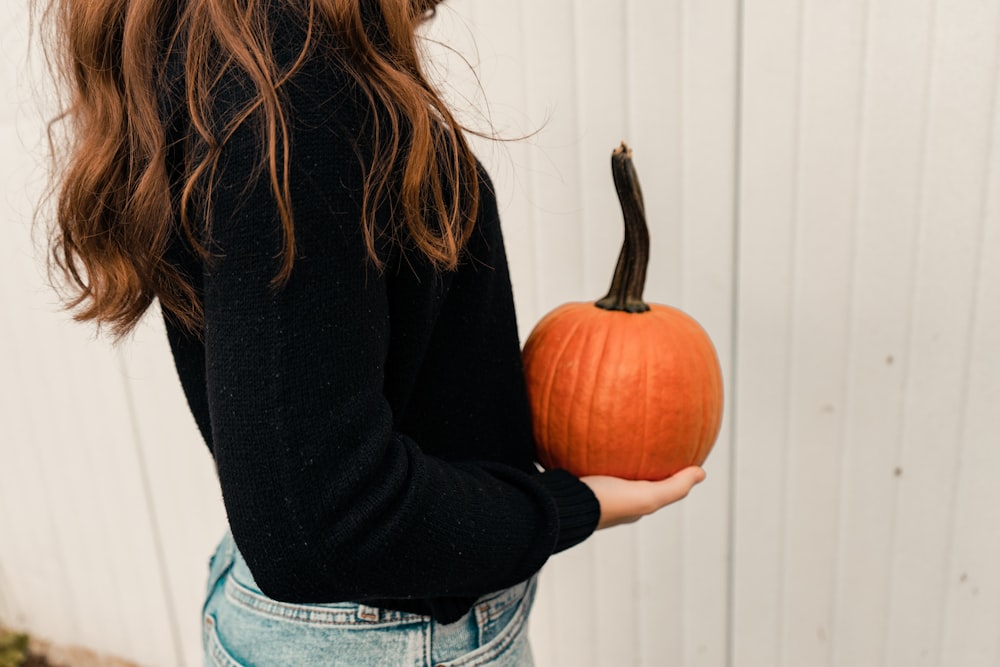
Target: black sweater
point(370, 428)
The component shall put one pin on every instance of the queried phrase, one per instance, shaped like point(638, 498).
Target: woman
point(329, 263)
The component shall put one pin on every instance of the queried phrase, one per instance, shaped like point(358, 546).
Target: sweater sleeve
point(325, 500)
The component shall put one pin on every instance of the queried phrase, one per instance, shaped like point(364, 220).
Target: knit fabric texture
point(370, 428)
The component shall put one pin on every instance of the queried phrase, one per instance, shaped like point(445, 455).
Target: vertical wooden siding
point(822, 185)
point(867, 226)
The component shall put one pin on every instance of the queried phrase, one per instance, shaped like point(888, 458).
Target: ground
point(18, 650)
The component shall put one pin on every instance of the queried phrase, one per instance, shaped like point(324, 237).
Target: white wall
point(822, 185)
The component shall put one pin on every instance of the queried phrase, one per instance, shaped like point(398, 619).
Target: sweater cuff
point(578, 508)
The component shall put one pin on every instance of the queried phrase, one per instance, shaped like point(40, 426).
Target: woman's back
point(370, 427)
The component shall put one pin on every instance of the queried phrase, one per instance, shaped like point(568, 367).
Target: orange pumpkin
point(620, 387)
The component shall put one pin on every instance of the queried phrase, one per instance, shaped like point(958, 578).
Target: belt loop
point(367, 613)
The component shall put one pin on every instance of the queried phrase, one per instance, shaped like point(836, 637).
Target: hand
point(627, 501)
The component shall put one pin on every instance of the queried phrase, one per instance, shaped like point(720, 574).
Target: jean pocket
point(503, 632)
point(216, 655)
point(218, 563)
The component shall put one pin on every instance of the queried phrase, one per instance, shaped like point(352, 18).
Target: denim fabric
point(242, 627)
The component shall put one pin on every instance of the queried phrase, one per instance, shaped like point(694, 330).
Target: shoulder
point(310, 68)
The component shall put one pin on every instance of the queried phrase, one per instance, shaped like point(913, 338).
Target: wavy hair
point(114, 214)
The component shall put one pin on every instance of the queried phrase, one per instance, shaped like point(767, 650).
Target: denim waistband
point(241, 587)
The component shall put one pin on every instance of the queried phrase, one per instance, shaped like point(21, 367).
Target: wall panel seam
point(849, 381)
point(734, 337)
point(913, 272)
point(988, 170)
point(150, 504)
point(790, 331)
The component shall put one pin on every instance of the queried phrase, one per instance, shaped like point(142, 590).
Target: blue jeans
point(242, 627)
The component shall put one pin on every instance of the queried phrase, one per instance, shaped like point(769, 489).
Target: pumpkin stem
point(630, 273)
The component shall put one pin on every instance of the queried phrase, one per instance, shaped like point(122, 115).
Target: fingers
point(625, 501)
point(678, 485)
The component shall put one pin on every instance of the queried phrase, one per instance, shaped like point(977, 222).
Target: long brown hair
point(113, 209)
